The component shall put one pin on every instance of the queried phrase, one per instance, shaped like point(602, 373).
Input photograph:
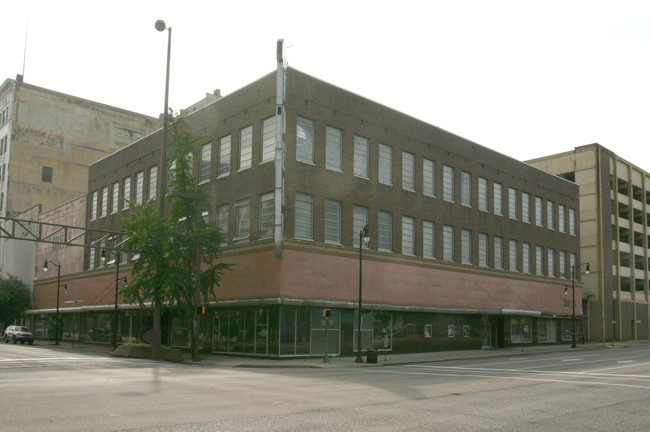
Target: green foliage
point(166, 270)
point(14, 299)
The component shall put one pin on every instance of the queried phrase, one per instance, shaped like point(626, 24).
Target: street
point(48, 389)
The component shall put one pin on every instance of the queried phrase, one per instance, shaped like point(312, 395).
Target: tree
point(14, 299)
point(178, 264)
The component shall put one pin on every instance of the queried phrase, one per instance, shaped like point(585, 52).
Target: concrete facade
point(615, 224)
point(47, 141)
point(468, 247)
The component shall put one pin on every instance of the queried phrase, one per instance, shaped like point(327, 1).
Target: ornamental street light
point(116, 261)
point(58, 286)
point(363, 236)
point(573, 302)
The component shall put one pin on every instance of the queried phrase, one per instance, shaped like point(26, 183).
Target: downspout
point(280, 122)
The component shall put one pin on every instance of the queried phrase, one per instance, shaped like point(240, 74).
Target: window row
point(117, 196)
point(520, 205)
point(491, 251)
point(243, 149)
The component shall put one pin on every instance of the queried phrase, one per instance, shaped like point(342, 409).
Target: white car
point(16, 333)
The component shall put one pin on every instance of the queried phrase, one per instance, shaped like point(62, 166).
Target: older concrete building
point(47, 141)
point(615, 230)
point(467, 248)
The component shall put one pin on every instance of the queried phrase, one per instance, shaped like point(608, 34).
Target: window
point(46, 175)
point(266, 215)
point(538, 212)
point(539, 263)
point(304, 215)
point(332, 221)
point(482, 194)
point(139, 187)
point(385, 231)
point(359, 221)
point(447, 183)
point(385, 164)
point(245, 147)
point(465, 189)
point(549, 215)
point(572, 263)
point(408, 171)
point(91, 258)
point(482, 249)
point(103, 206)
point(498, 252)
point(243, 219)
point(572, 222)
point(525, 207)
point(512, 203)
point(116, 197)
point(93, 208)
point(448, 243)
point(408, 235)
point(497, 190)
point(428, 239)
point(428, 177)
point(223, 167)
point(333, 145)
point(268, 140)
point(512, 255)
point(360, 156)
point(561, 215)
point(126, 190)
point(153, 180)
point(205, 163)
point(550, 265)
point(561, 256)
point(305, 140)
point(222, 221)
point(525, 257)
point(466, 246)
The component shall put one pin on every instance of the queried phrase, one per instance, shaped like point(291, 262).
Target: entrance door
point(487, 335)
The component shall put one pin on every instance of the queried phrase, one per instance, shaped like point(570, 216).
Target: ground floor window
point(546, 330)
point(521, 330)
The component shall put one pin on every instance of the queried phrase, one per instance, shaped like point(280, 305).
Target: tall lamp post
point(363, 236)
point(58, 286)
point(161, 26)
point(573, 302)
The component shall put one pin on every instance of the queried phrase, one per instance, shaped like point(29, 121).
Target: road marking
point(521, 378)
point(49, 359)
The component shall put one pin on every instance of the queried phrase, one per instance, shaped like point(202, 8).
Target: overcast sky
point(524, 78)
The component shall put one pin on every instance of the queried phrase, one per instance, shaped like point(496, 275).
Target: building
point(468, 248)
point(614, 226)
point(47, 141)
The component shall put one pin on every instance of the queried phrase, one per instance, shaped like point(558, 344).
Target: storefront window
point(546, 330)
point(521, 330)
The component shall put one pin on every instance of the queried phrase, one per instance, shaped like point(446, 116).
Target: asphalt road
point(46, 389)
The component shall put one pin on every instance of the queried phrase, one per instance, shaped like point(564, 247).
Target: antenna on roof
point(25, 47)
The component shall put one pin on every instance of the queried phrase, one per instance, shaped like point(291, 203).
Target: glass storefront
point(303, 331)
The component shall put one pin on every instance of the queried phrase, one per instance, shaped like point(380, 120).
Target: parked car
point(16, 333)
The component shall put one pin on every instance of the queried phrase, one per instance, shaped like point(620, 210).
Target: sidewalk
point(383, 359)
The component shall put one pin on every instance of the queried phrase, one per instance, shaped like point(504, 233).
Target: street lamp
point(58, 286)
point(573, 287)
point(363, 236)
point(161, 26)
point(116, 261)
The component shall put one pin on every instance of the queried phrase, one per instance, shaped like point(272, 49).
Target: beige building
point(614, 239)
point(47, 141)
